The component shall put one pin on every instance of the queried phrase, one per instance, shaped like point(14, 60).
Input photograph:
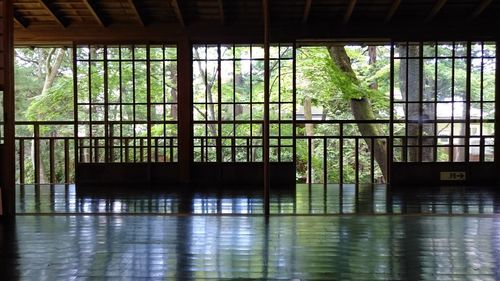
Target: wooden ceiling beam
point(19, 19)
point(220, 4)
point(178, 12)
point(94, 11)
point(307, 11)
point(479, 9)
point(348, 12)
point(392, 10)
point(237, 33)
point(52, 11)
point(435, 10)
point(133, 6)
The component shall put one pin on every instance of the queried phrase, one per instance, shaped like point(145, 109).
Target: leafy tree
point(337, 81)
point(43, 88)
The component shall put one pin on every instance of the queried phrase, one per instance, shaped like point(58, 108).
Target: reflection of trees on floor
point(305, 199)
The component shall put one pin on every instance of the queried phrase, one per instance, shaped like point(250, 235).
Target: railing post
point(341, 167)
point(21, 161)
point(66, 161)
point(373, 141)
point(309, 160)
point(36, 151)
point(52, 160)
point(325, 163)
point(341, 154)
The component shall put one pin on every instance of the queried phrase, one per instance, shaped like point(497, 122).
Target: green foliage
point(331, 90)
point(321, 79)
point(238, 98)
point(55, 105)
point(32, 104)
point(314, 70)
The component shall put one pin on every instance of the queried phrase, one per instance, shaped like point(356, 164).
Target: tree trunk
point(362, 110)
point(172, 69)
point(409, 82)
point(208, 84)
point(372, 59)
point(51, 71)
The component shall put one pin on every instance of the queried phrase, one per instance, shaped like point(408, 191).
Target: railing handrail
point(90, 122)
point(328, 121)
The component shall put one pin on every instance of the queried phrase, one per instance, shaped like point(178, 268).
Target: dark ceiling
point(155, 20)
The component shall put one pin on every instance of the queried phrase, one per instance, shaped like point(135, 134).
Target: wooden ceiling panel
point(33, 12)
point(478, 10)
point(244, 12)
point(136, 8)
point(122, 11)
point(202, 10)
point(244, 17)
point(457, 10)
point(286, 12)
point(54, 10)
point(328, 11)
point(414, 11)
point(371, 10)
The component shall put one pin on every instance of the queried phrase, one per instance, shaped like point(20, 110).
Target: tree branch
point(51, 71)
point(27, 60)
point(200, 112)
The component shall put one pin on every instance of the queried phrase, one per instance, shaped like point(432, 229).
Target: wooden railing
point(341, 155)
point(46, 151)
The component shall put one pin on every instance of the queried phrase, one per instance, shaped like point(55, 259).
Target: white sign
point(452, 176)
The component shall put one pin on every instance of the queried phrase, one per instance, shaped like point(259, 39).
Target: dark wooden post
point(184, 115)
point(7, 88)
point(265, 135)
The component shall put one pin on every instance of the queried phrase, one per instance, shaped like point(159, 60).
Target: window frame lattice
point(452, 132)
point(239, 137)
point(133, 125)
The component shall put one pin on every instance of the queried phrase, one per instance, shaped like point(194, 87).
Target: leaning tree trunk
point(362, 110)
point(51, 71)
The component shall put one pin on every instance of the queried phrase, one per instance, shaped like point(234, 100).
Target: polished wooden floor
point(314, 234)
point(305, 199)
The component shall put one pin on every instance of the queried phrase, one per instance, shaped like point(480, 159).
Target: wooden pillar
point(184, 115)
point(265, 134)
point(7, 89)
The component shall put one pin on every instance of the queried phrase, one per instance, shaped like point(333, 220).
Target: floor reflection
point(245, 247)
point(305, 199)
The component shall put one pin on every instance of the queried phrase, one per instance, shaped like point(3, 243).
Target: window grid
point(126, 103)
point(451, 119)
point(228, 103)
